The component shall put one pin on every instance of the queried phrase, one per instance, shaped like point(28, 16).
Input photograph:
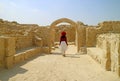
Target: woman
point(63, 43)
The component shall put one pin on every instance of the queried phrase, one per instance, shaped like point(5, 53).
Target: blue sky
point(44, 12)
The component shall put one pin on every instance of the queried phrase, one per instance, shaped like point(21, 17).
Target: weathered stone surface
point(90, 36)
point(70, 30)
point(110, 44)
point(9, 62)
point(46, 50)
point(18, 58)
point(38, 42)
point(23, 42)
point(9, 46)
point(2, 52)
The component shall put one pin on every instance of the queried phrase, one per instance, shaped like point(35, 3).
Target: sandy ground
point(55, 67)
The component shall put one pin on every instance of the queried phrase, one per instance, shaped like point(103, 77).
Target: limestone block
point(9, 62)
point(26, 55)
point(9, 46)
point(38, 42)
point(118, 71)
point(2, 52)
point(35, 51)
point(31, 52)
point(46, 50)
point(119, 59)
point(90, 37)
point(107, 56)
point(83, 50)
point(2, 63)
point(23, 42)
point(18, 58)
point(38, 50)
point(70, 30)
point(2, 49)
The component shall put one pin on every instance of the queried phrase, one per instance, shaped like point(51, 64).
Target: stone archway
point(55, 23)
point(61, 21)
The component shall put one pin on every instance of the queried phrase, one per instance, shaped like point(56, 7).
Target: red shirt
point(63, 38)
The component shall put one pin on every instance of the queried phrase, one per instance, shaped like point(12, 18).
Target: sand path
point(55, 67)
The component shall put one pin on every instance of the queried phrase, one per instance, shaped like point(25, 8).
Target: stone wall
point(69, 30)
point(15, 29)
point(24, 42)
point(81, 36)
point(108, 26)
point(44, 34)
point(25, 34)
point(110, 44)
point(104, 27)
point(91, 36)
point(104, 37)
point(25, 38)
point(10, 56)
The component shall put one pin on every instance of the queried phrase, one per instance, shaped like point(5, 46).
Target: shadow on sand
point(67, 55)
point(6, 74)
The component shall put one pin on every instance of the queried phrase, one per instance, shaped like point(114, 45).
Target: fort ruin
point(22, 41)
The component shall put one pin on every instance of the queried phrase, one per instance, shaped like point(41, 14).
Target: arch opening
point(58, 26)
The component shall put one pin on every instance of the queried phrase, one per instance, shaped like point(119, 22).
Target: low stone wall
point(9, 56)
point(19, 57)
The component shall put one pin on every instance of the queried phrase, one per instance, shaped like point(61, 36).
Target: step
point(24, 54)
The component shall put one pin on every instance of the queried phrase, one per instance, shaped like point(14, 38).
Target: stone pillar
point(81, 38)
point(76, 38)
point(2, 52)
point(108, 57)
point(7, 51)
point(119, 59)
point(51, 38)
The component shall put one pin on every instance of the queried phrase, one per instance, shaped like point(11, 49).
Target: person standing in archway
point(63, 43)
